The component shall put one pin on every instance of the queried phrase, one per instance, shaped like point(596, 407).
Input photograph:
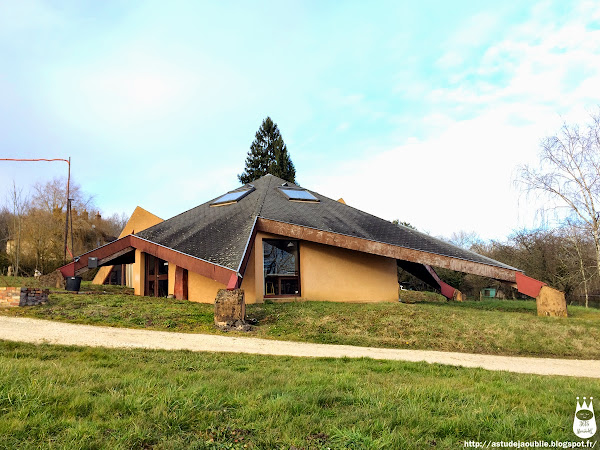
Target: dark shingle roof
point(219, 234)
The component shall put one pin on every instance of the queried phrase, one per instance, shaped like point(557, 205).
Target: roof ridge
point(261, 202)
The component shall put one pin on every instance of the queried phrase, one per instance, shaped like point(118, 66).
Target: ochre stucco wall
point(138, 274)
point(336, 274)
point(171, 288)
point(330, 274)
point(248, 283)
point(202, 289)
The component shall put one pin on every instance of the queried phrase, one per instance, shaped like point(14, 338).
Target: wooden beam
point(214, 272)
point(387, 250)
point(206, 269)
point(106, 260)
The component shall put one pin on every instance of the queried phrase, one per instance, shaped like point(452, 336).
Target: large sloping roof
point(220, 234)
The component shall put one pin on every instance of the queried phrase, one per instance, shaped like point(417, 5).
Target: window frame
point(243, 190)
point(282, 277)
point(282, 189)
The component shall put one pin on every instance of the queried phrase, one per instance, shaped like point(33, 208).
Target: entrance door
point(157, 277)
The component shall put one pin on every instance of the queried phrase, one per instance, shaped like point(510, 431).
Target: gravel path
point(44, 331)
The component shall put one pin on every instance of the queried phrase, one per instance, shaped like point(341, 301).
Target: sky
point(417, 111)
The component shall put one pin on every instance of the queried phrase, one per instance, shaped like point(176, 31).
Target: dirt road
point(45, 331)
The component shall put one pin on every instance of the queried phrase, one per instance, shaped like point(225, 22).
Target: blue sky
point(420, 111)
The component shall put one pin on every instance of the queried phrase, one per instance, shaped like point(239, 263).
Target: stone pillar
point(230, 308)
point(551, 302)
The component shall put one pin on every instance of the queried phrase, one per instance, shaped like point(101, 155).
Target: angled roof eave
point(247, 249)
point(385, 249)
point(205, 268)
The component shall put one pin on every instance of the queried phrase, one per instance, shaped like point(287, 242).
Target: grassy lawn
point(67, 397)
point(491, 327)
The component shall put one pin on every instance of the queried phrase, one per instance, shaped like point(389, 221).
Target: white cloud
point(470, 34)
point(460, 180)
point(460, 176)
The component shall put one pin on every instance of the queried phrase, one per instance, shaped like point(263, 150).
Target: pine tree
point(268, 154)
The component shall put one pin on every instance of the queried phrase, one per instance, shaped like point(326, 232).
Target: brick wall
point(22, 296)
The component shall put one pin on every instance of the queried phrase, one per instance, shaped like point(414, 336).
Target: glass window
point(281, 267)
point(233, 196)
point(280, 257)
point(163, 267)
point(151, 264)
point(299, 194)
point(163, 288)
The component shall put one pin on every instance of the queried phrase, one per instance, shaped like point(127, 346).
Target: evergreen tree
point(268, 154)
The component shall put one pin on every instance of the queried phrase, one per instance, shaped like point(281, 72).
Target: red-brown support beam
point(428, 275)
point(234, 282)
point(529, 286)
point(181, 283)
point(123, 271)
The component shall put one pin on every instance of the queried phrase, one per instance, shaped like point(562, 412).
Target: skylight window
point(299, 195)
point(232, 197)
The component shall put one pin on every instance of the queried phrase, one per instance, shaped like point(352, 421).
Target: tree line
point(563, 257)
point(32, 227)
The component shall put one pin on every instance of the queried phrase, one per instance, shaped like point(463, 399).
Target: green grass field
point(504, 327)
point(66, 397)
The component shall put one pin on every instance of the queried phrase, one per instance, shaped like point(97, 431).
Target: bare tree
point(465, 239)
point(19, 205)
point(569, 173)
point(51, 196)
point(580, 247)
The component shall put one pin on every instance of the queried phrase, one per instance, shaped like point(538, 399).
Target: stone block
point(458, 296)
point(551, 302)
point(230, 307)
point(54, 279)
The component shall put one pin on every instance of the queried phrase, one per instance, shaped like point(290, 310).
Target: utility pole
point(67, 212)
